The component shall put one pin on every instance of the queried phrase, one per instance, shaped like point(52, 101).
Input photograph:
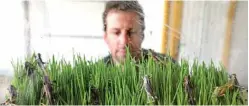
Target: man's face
point(123, 30)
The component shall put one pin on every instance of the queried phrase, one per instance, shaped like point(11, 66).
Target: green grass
point(122, 85)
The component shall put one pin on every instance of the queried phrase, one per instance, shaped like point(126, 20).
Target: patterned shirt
point(145, 53)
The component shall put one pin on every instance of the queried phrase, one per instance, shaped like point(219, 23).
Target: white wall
point(11, 33)
point(203, 28)
point(238, 61)
point(153, 11)
point(58, 27)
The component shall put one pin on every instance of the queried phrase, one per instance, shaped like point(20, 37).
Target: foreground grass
point(82, 82)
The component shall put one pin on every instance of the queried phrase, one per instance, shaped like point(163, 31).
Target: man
point(124, 27)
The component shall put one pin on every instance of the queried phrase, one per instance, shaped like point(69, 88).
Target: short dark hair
point(132, 6)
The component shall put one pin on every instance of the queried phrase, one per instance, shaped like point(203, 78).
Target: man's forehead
point(116, 20)
point(128, 28)
point(128, 15)
point(122, 11)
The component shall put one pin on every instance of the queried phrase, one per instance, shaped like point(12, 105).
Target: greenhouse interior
point(135, 52)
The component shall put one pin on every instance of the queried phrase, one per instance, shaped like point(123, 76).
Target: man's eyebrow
point(132, 29)
point(115, 29)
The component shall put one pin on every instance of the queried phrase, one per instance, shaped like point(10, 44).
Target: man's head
point(123, 27)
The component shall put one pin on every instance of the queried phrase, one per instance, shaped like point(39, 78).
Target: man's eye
point(130, 33)
point(116, 32)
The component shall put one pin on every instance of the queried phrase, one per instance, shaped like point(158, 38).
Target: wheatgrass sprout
point(83, 82)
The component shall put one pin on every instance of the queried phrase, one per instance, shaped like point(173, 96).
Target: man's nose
point(124, 39)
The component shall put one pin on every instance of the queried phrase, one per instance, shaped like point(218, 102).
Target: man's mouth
point(122, 51)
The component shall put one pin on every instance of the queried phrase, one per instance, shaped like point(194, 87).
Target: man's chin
point(121, 55)
point(121, 59)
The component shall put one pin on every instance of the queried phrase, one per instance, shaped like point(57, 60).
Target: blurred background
point(202, 30)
